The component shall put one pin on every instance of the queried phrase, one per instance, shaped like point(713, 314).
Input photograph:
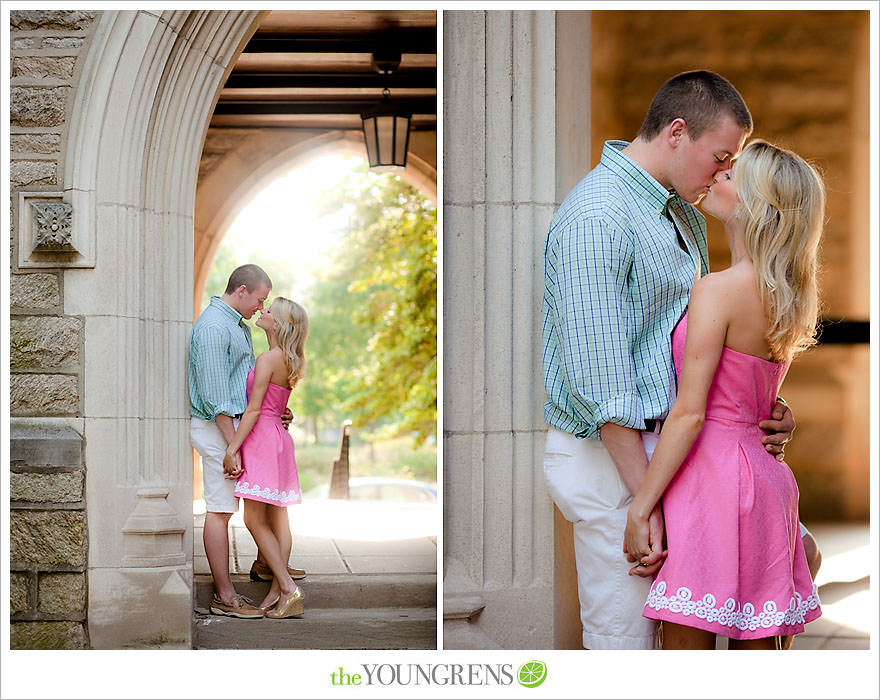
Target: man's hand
point(286, 418)
point(780, 427)
point(232, 465)
point(643, 543)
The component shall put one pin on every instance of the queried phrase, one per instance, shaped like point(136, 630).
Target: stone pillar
point(48, 532)
point(500, 191)
point(140, 113)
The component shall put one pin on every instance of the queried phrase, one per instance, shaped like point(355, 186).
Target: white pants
point(586, 487)
point(209, 442)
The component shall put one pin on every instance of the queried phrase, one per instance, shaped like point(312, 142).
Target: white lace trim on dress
point(732, 613)
point(282, 498)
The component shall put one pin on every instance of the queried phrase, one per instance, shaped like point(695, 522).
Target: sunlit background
point(321, 232)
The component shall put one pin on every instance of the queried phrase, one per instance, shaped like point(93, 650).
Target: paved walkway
point(338, 537)
point(843, 580)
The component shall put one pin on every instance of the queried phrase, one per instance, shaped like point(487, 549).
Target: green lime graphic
point(532, 673)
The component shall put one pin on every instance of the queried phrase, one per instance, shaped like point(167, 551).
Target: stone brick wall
point(48, 533)
point(804, 75)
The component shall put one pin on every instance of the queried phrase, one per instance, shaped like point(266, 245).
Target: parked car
point(376, 488)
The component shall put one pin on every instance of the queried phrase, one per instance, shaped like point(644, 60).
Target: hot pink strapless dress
point(267, 454)
point(736, 563)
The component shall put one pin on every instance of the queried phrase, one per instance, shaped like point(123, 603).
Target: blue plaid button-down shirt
point(221, 353)
point(616, 281)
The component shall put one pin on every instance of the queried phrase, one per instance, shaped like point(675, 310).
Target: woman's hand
point(232, 465)
point(643, 541)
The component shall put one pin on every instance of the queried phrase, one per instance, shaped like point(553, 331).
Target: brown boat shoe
point(239, 606)
point(260, 571)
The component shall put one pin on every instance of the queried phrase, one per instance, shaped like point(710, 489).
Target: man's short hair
point(251, 276)
point(702, 98)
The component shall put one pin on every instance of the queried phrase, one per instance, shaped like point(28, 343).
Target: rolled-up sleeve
point(211, 370)
point(593, 326)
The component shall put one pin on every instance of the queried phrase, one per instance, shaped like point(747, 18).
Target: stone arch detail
point(264, 156)
point(140, 114)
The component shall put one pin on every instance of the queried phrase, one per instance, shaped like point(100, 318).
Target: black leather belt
point(653, 425)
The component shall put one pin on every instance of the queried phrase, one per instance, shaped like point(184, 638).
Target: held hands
point(232, 465)
point(286, 418)
point(781, 427)
point(643, 542)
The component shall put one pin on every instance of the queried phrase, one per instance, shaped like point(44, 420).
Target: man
point(622, 253)
point(221, 356)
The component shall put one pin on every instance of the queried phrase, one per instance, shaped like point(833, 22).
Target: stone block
point(23, 43)
point(47, 538)
point(43, 66)
point(32, 172)
point(39, 445)
point(62, 42)
point(19, 586)
point(64, 487)
point(45, 342)
point(37, 106)
point(141, 608)
point(27, 20)
point(37, 291)
point(47, 635)
point(62, 594)
point(43, 394)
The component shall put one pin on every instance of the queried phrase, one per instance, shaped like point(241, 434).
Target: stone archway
point(141, 111)
point(255, 159)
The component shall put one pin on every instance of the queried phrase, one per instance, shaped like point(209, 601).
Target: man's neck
point(229, 300)
point(647, 155)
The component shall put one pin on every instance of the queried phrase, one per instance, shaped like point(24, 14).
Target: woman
point(736, 563)
point(268, 481)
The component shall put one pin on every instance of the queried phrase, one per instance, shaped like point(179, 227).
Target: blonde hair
point(782, 205)
point(291, 330)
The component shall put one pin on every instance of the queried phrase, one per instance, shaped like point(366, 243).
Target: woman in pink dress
point(736, 564)
point(268, 481)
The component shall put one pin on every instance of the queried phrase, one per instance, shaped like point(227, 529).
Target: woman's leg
point(683, 637)
point(257, 520)
point(763, 643)
point(280, 523)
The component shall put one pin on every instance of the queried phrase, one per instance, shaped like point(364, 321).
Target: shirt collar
point(226, 309)
point(639, 179)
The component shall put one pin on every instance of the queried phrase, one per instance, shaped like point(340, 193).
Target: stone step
point(350, 591)
point(321, 628)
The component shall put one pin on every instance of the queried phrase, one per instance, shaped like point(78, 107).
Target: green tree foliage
point(388, 257)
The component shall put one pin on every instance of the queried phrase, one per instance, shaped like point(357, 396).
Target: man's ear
point(675, 132)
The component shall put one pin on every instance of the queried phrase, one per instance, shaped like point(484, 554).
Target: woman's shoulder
point(735, 279)
point(270, 358)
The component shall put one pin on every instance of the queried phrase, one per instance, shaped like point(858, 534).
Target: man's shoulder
point(601, 194)
point(211, 320)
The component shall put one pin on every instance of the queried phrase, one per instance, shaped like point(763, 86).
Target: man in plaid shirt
point(221, 354)
point(622, 253)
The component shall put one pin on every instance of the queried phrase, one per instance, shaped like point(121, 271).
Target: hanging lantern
point(386, 134)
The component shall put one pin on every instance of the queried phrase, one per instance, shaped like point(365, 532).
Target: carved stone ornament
point(52, 227)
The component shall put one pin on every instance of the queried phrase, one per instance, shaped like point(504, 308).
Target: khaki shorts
point(209, 442)
point(586, 487)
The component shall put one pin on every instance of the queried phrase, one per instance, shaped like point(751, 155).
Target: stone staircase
point(343, 611)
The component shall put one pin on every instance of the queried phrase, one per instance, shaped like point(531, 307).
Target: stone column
point(140, 114)
point(500, 191)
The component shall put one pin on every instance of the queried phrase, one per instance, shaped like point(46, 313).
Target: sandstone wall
point(804, 75)
point(48, 535)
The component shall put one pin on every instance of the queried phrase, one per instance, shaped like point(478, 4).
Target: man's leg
point(814, 561)
point(584, 484)
point(216, 538)
point(220, 503)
